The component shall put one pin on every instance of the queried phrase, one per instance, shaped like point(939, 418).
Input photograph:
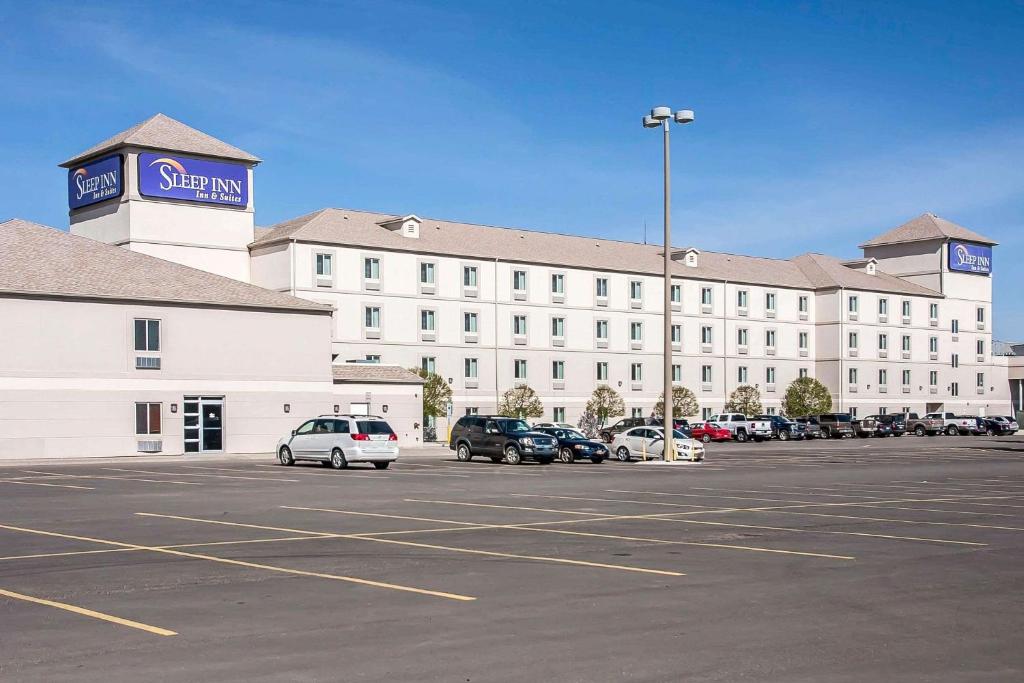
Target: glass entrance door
point(204, 424)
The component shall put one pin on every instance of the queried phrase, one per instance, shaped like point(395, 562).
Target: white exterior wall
point(400, 404)
point(68, 383)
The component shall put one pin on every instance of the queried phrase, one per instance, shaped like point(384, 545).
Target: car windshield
point(572, 434)
point(373, 427)
point(675, 432)
point(513, 425)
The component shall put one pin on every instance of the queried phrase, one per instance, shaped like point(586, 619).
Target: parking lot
point(889, 559)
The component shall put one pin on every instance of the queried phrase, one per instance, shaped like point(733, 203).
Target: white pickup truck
point(742, 427)
point(954, 424)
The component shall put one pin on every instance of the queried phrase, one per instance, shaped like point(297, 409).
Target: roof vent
point(689, 256)
point(406, 226)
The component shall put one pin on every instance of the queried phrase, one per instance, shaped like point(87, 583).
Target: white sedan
point(649, 443)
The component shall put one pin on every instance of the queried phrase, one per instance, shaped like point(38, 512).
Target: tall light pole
point(662, 116)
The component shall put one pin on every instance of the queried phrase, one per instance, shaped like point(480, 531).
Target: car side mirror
point(294, 431)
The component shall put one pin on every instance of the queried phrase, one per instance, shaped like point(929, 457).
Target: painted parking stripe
point(156, 630)
point(191, 474)
point(58, 475)
point(40, 483)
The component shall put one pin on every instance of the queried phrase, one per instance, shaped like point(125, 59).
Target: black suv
point(835, 425)
point(783, 428)
point(608, 433)
point(501, 438)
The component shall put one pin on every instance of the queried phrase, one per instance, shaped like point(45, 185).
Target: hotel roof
point(36, 260)
point(374, 373)
point(363, 229)
point(925, 227)
point(163, 132)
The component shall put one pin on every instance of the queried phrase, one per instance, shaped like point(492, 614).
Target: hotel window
point(804, 339)
point(677, 372)
point(980, 345)
point(147, 418)
point(601, 330)
point(883, 342)
point(427, 320)
point(636, 372)
point(558, 328)
point(636, 290)
point(933, 312)
point(883, 378)
point(557, 283)
point(769, 302)
point(677, 334)
point(676, 292)
point(852, 374)
point(769, 375)
point(981, 380)
point(933, 378)
point(742, 336)
point(147, 334)
point(769, 339)
point(981, 317)
point(933, 344)
point(519, 369)
point(519, 280)
point(371, 268)
point(472, 411)
point(705, 374)
point(471, 368)
point(741, 298)
point(636, 332)
point(852, 304)
point(955, 360)
point(371, 317)
point(558, 414)
point(954, 326)
point(803, 373)
point(602, 371)
point(954, 389)
point(519, 325)
point(906, 378)
point(558, 369)
point(636, 412)
point(469, 323)
point(429, 364)
point(469, 276)
point(803, 304)
point(705, 296)
point(906, 343)
point(906, 309)
point(852, 341)
point(853, 413)
point(705, 414)
point(705, 334)
point(601, 288)
point(372, 358)
point(742, 376)
point(427, 273)
point(324, 265)
point(883, 307)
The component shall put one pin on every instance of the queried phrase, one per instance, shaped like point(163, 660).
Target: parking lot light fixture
point(662, 116)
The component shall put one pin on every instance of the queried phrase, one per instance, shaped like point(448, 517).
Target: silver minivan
point(338, 440)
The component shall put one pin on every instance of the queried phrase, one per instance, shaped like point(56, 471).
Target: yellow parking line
point(251, 565)
point(89, 613)
point(190, 474)
point(505, 507)
point(472, 551)
point(39, 483)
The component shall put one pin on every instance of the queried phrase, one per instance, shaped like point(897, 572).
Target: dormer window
point(406, 226)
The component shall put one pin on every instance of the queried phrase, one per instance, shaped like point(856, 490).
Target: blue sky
point(819, 124)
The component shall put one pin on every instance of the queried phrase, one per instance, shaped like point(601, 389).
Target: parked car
point(953, 424)
point(924, 425)
point(870, 425)
point(608, 433)
point(573, 445)
point(499, 437)
point(835, 425)
point(742, 427)
point(1011, 422)
point(649, 442)
point(896, 421)
point(559, 425)
point(783, 428)
point(812, 430)
point(338, 440)
point(710, 431)
point(996, 427)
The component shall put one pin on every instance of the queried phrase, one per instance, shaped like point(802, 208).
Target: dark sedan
point(573, 445)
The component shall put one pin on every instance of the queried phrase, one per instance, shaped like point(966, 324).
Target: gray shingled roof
point(43, 261)
point(927, 226)
point(374, 373)
point(828, 272)
point(163, 132)
point(361, 229)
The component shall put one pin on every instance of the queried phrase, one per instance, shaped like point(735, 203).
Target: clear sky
point(819, 124)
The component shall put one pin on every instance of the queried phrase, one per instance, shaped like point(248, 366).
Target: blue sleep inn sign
point(970, 258)
point(95, 181)
point(194, 180)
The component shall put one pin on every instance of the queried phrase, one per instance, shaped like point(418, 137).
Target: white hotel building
point(489, 308)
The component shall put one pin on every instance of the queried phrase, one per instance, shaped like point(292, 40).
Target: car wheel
point(512, 456)
point(919, 430)
point(826, 433)
point(622, 454)
point(952, 431)
point(463, 453)
point(706, 438)
point(990, 432)
point(285, 456)
point(381, 465)
point(783, 435)
point(741, 437)
point(606, 437)
point(338, 460)
point(596, 459)
point(565, 455)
